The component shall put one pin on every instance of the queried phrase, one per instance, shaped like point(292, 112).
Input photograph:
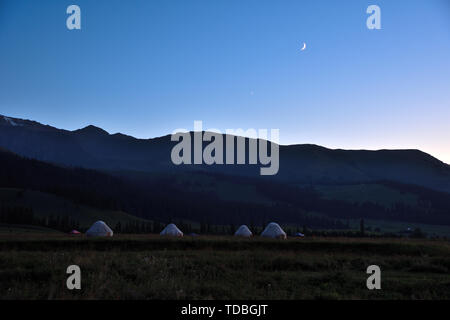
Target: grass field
point(25, 229)
point(33, 266)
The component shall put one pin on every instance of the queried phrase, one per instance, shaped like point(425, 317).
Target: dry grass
point(152, 267)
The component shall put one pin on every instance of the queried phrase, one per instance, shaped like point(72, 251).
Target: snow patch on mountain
point(11, 121)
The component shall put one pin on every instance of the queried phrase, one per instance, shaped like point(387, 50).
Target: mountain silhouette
point(306, 164)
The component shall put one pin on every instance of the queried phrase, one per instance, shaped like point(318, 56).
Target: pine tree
point(361, 227)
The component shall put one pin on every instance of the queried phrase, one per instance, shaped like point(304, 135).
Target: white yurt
point(243, 231)
point(171, 230)
point(99, 229)
point(273, 230)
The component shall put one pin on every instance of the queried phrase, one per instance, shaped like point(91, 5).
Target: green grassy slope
point(360, 193)
point(385, 196)
point(400, 227)
point(45, 204)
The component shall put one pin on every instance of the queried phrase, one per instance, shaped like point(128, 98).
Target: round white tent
point(243, 231)
point(171, 230)
point(273, 230)
point(99, 229)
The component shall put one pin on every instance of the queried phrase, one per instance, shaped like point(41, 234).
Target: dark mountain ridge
point(306, 164)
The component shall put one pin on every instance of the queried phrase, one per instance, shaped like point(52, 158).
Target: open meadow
point(33, 266)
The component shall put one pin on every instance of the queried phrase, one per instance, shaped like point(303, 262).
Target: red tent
point(75, 232)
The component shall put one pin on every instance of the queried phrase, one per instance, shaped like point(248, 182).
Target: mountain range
point(94, 148)
point(315, 186)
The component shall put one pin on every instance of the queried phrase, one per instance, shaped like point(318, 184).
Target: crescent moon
point(304, 46)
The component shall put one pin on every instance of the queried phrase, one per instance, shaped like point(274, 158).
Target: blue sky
point(145, 68)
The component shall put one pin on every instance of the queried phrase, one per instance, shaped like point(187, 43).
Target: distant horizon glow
point(146, 68)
